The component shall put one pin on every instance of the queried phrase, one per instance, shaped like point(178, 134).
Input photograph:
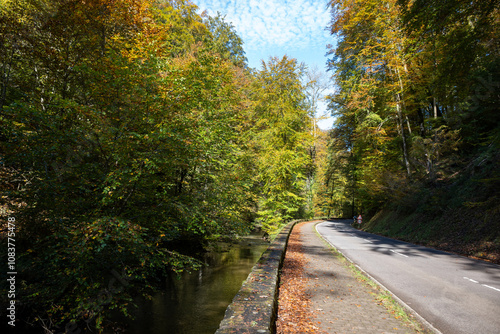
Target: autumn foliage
point(416, 105)
point(132, 135)
point(415, 144)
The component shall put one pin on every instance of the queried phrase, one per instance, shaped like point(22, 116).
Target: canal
point(196, 303)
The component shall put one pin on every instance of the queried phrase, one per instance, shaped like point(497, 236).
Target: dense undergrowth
point(461, 215)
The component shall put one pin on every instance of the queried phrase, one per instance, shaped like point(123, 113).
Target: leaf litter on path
point(294, 309)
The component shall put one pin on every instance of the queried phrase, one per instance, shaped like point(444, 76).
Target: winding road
point(454, 294)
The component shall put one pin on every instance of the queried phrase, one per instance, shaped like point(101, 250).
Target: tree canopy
point(132, 134)
point(416, 96)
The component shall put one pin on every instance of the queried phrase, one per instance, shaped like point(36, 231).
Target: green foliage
point(98, 266)
point(226, 41)
point(436, 149)
point(416, 97)
point(120, 140)
point(281, 138)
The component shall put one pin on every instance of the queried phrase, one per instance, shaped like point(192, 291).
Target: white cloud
point(286, 25)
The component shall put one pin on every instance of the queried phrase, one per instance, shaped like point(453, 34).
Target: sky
point(273, 28)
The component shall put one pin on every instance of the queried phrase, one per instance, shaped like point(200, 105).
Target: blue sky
point(271, 28)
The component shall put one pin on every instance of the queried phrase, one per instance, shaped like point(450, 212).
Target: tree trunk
point(399, 102)
point(403, 136)
point(421, 121)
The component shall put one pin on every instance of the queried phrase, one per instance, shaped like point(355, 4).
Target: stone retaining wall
point(253, 309)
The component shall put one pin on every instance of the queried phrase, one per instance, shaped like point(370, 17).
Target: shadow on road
point(386, 246)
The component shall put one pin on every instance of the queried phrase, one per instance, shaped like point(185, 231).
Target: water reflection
point(195, 304)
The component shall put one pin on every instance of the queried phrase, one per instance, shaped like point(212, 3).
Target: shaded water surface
point(195, 303)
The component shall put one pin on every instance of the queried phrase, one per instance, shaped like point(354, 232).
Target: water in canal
point(195, 303)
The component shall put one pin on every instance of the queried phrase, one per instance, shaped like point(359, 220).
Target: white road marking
point(470, 279)
point(392, 250)
point(486, 286)
point(491, 287)
point(368, 240)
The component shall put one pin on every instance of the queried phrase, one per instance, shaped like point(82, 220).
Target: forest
point(415, 146)
point(133, 134)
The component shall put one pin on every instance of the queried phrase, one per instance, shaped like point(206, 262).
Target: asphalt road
point(454, 294)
